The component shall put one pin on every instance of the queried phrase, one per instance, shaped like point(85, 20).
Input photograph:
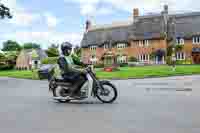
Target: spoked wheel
point(108, 94)
point(59, 91)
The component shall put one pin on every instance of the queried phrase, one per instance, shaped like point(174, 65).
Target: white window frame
point(93, 48)
point(122, 59)
point(144, 57)
point(93, 60)
point(106, 46)
point(121, 45)
point(180, 41)
point(180, 56)
point(140, 44)
point(144, 43)
point(196, 40)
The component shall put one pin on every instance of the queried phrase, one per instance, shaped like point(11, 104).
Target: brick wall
point(132, 50)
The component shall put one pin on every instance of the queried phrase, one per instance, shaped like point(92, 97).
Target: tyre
point(60, 92)
point(104, 95)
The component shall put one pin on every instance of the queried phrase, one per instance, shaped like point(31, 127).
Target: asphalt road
point(165, 105)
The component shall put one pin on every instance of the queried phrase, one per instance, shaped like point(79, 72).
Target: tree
point(4, 11)
point(11, 46)
point(31, 45)
point(52, 51)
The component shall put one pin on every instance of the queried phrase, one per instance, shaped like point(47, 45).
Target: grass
point(124, 73)
point(149, 71)
point(18, 74)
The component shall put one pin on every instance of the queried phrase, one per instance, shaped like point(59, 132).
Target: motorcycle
point(105, 91)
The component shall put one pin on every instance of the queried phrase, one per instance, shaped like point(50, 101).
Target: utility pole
point(174, 45)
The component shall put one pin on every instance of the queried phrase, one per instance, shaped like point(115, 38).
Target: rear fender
point(52, 85)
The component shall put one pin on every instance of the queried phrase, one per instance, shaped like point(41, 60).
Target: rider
point(66, 62)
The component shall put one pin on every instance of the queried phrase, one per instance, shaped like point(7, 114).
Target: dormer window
point(180, 41)
point(106, 46)
point(93, 48)
point(144, 43)
point(121, 45)
point(196, 40)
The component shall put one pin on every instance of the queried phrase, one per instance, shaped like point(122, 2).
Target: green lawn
point(150, 71)
point(18, 74)
point(124, 73)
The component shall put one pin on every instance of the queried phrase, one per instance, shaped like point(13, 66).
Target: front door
point(108, 61)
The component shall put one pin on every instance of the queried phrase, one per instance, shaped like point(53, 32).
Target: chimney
point(166, 9)
point(135, 12)
point(88, 25)
point(165, 19)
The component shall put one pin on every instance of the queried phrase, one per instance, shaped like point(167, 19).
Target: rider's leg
point(80, 81)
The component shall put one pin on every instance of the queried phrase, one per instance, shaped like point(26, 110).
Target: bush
point(188, 61)
point(99, 66)
point(184, 62)
point(180, 62)
point(132, 59)
point(123, 65)
point(50, 60)
point(6, 67)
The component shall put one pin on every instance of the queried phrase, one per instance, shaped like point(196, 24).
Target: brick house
point(143, 36)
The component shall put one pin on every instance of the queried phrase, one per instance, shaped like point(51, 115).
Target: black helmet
point(66, 48)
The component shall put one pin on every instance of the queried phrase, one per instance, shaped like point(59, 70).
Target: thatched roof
point(145, 27)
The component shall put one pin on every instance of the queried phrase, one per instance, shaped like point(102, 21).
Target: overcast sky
point(56, 21)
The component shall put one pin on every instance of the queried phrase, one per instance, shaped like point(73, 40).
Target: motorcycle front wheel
point(108, 94)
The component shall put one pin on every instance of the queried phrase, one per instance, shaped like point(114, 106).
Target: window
point(121, 45)
point(144, 43)
point(93, 48)
point(180, 41)
point(180, 56)
point(144, 57)
point(137, 43)
point(196, 40)
point(106, 46)
point(93, 59)
point(121, 59)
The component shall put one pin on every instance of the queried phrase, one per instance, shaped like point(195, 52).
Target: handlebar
point(89, 68)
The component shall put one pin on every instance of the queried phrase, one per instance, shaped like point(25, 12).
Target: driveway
point(160, 105)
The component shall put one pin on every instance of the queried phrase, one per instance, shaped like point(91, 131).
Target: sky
point(56, 21)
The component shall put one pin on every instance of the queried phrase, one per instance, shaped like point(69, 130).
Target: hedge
point(6, 66)
point(184, 62)
point(50, 60)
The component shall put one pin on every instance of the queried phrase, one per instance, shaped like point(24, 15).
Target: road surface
point(160, 105)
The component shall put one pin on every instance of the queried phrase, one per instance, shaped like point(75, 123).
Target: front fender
point(105, 81)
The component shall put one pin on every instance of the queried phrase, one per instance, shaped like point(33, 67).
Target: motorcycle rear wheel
point(55, 94)
point(102, 93)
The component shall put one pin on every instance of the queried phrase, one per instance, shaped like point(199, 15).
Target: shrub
point(180, 62)
point(123, 65)
point(50, 60)
point(99, 66)
point(132, 59)
point(188, 61)
point(6, 67)
point(184, 62)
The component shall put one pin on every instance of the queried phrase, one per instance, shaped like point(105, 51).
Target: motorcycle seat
point(60, 79)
